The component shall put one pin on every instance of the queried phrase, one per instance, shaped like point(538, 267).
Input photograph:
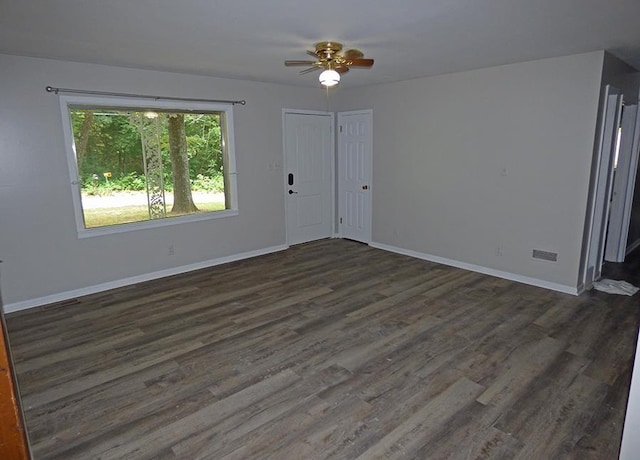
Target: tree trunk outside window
point(182, 198)
point(83, 140)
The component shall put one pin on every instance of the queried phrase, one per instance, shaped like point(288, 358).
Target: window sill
point(165, 222)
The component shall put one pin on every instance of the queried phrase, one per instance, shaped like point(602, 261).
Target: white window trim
point(229, 145)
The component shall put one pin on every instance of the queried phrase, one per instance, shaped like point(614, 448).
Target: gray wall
point(621, 75)
point(633, 239)
point(634, 226)
point(442, 145)
point(38, 240)
point(617, 74)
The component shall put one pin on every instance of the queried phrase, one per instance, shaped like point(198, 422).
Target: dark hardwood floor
point(331, 349)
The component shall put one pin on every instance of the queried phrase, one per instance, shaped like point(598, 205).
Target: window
point(138, 164)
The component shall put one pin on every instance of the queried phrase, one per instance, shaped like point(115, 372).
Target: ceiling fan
point(334, 62)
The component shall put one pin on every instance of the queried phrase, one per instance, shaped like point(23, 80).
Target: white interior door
point(603, 180)
point(308, 147)
point(623, 186)
point(355, 139)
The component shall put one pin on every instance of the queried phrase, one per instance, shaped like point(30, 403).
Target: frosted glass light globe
point(329, 77)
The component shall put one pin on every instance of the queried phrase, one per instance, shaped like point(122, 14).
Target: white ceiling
point(250, 39)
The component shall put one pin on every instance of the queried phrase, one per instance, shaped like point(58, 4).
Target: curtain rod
point(53, 89)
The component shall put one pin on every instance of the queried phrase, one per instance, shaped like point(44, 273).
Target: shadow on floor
point(629, 270)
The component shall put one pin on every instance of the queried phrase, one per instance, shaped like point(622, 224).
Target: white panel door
point(610, 120)
point(354, 156)
point(623, 186)
point(308, 176)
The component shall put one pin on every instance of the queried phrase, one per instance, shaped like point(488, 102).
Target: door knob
point(365, 187)
point(291, 192)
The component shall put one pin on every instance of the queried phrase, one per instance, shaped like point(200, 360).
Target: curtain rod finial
point(51, 89)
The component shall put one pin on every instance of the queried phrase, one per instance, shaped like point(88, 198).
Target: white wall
point(630, 440)
point(38, 240)
point(442, 146)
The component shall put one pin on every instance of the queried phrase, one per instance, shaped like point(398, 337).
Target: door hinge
point(340, 128)
point(341, 220)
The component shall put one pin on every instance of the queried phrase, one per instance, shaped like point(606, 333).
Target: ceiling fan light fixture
point(329, 78)
point(334, 63)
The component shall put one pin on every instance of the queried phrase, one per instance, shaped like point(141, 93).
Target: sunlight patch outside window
point(140, 163)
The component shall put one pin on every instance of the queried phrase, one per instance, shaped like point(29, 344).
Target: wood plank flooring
point(329, 350)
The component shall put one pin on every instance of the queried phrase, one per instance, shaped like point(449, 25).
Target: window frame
point(68, 102)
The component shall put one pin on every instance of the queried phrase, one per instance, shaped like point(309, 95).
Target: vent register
point(544, 255)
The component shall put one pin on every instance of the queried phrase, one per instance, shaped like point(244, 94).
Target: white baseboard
point(67, 295)
point(480, 269)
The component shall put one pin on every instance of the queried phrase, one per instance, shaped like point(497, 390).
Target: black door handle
point(290, 178)
point(291, 192)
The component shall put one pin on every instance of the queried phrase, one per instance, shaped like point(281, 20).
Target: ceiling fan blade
point(353, 54)
point(312, 53)
point(342, 69)
point(360, 62)
point(309, 70)
point(295, 63)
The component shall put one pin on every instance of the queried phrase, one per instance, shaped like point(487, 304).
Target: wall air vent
point(545, 255)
